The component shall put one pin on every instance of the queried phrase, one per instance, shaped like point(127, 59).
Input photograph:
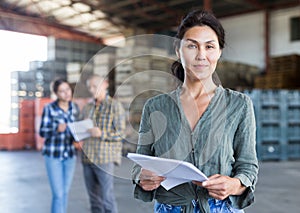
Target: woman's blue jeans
point(60, 174)
point(216, 206)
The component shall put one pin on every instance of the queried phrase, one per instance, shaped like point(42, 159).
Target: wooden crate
point(27, 108)
point(39, 105)
point(11, 142)
point(27, 139)
point(285, 80)
point(278, 80)
point(260, 82)
point(288, 63)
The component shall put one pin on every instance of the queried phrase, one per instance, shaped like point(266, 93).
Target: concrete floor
point(24, 187)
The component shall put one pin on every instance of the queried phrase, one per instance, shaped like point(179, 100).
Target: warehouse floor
point(24, 187)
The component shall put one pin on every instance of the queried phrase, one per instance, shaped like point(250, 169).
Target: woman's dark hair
point(192, 19)
point(57, 83)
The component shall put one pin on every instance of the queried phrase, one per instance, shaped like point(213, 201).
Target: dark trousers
point(99, 181)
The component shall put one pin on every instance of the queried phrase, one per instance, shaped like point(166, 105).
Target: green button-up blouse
point(222, 142)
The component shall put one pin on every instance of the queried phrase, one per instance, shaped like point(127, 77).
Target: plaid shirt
point(58, 144)
point(109, 116)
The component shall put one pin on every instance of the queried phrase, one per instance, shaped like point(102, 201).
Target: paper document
point(175, 171)
point(79, 129)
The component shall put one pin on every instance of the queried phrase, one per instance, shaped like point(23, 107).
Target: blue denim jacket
point(222, 142)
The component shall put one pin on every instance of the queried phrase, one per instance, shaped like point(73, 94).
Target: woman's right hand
point(149, 180)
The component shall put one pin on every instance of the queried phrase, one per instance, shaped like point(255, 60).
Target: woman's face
point(64, 92)
point(199, 52)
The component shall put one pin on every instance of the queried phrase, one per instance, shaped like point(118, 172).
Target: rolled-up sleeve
point(47, 127)
point(245, 167)
point(144, 146)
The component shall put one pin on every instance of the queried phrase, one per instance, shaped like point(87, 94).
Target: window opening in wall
point(16, 52)
point(295, 28)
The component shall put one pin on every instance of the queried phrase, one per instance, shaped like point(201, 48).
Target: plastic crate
point(293, 150)
point(11, 142)
point(293, 133)
point(270, 133)
point(293, 115)
point(277, 114)
point(269, 151)
point(270, 97)
point(270, 114)
point(293, 98)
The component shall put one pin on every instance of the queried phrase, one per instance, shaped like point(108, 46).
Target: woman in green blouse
point(201, 123)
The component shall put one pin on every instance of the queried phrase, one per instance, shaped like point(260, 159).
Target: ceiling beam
point(119, 24)
point(152, 7)
point(256, 4)
point(275, 6)
point(110, 7)
point(38, 26)
point(271, 7)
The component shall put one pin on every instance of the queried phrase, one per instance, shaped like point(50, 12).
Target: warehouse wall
point(280, 32)
point(245, 36)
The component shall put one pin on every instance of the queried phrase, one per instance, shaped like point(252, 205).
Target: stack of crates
point(23, 84)
point(277, 115)
point(14, 107)
point(26, 124)
point(138, 77)
point(283, 73)
point(39, 105)
point(293, 124)
point(45, 73)
point(103, 64)
point(65, 50)
point(73, 70)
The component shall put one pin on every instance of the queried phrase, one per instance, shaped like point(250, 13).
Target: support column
point(267, 40)
point(207, 5)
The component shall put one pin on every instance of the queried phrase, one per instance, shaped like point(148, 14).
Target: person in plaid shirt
point(58, 149)
point(104, 149)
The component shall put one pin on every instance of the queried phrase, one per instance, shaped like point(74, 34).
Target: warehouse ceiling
point(103, 19)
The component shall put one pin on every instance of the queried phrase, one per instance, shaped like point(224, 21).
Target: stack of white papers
point(175, 171)
point(80, 129)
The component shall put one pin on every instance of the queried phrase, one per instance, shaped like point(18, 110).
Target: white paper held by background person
point(80, 129)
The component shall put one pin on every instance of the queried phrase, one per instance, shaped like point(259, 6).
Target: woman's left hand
point(220, 186)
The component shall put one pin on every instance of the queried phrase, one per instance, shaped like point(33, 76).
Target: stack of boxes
point(45, 73)
point(104, 65)
point(14, 108)
point(236, 75)
point(26, 124)
point(283, 73)
point(142, 70)
point(278, 123)
point(293, 124)
point(73, 70)
point(71, 51)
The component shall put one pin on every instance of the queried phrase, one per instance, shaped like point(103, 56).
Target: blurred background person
point(104, 149)
point(58, 150)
